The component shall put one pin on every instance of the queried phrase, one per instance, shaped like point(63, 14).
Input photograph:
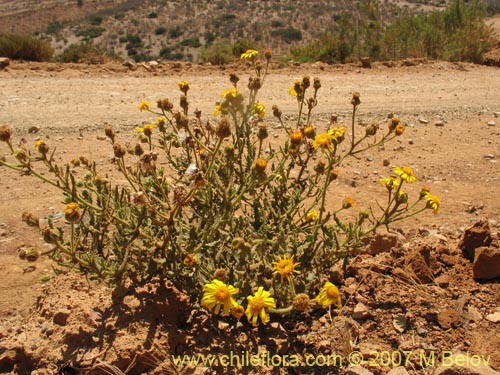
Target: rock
point(423, 120)
point(440, 123)
point(129, 64)
point(473, 314)
point(491, 123)
point(398, 371)
point(360, 312)
point(420, 265)
point(489, 156)
point(386, 163)
point(358, 370)
point(422, 331)
point(463, 364)
point(4, 62)
point(443, 281)
point(448, 319)
point(366, 62)
point(477, 235)
point(486, 264)
point(494, 318)
point(7, 361)
point(34, 129)
point(61, 317)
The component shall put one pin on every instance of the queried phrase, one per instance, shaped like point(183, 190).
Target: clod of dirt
point(486, 263)
point(61, 317)
point(383, 242)
point(477, 235)
point(421, 265)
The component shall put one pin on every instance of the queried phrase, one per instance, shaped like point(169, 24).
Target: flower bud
point(301, 302)
point(109, 132)
point(72, 212)
point(119, 150)
point(260, 165)
point(355, 101)
point(262, 132)
point(5, 133)
point(223, 129)
point(371, 130)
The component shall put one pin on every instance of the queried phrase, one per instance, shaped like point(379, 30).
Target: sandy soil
point(72, 104)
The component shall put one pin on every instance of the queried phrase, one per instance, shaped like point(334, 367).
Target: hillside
point(179, 29)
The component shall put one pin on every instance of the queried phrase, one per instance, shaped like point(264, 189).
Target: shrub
point(160, 30)
point(175, 32)
point(191, 42)
point(85, 53)
point(95, 20)
point(288, 34)
point(91, 32)
point(221, 211)
point(25, 47)
point(153, 15)
point(219, 53)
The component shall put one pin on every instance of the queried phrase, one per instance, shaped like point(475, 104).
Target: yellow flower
point(144, 106)
point(323, 140)
point(285, 267)
point(230, 93)
point(217, 110)
point(258, 304)
point(146, 129)
point(279, 177)
point(260, 164)
point(310, 131)
point(347, 203)
point(260, 110)
point(295, 137)
point(400, 129)
point(433, 202)
point(329, 295)
point(41, 147)
point(337, 134)
point(296, 88)
point(250, 54)
point(312, 216)
point(406, 174)
point(390, 182)
point(72, 212)
point(184, 86)
point(217, 294)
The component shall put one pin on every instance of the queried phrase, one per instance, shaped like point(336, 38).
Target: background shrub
point(86, 53)
point(25, 47)
point(219, 53)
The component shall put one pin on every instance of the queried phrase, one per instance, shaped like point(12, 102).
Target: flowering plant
point(218, 208)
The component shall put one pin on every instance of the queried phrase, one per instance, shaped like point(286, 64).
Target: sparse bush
point(54, 27)
point(91, 32)
point(191, 42)
point(175, 32)
point(95, 20)
point(25, 47)
point(160, 30)
point(219, 53)
point(84, 53)
point(153, 15)
point(288, 34)
point(221, 211)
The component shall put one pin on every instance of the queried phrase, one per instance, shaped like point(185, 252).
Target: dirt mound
point(418, 298)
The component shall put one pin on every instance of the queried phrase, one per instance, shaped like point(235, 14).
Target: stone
point(464, 364)
point(61, 317)
point(423, 120)
point(448, 319)
point(398, 371)
point(443, 281)
point(473, 314)
point(439, 123)
point(361, 312)
point(489, 156)
point(4, 62)
point(477, 235)
point(494, 318)
point(7, 361)
point(486, 264)
point(491, 123)
point(358, 370)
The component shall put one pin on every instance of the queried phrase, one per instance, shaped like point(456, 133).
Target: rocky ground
point(429, 289)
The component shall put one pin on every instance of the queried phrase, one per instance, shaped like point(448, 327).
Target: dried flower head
point(285, 267)
point(301, 302)
point(190, 260)
point(268, 54)
point(371, 129)
point(316, 84)
point(347, 203)
point(262, 132)
point(329, 295)
point(41, 147)
point(119, 150)
point(258, 306)
point(276, 112)
point(216, 295)
point(5, 133)
point(30, 219)
point(260, 165)
point(110, 133)
point(334, 174)
point(223, 129)
point(220, 274)
point(355, 101)
point(165, 105)
point(233, 78)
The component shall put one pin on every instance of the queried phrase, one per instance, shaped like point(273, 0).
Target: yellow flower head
point(390, 182)
point(312, 216)
point(258, 304)
point(329, 295)
point(260, 110)
point(250, 54)
point(184, 86)
point(348, 203)
point(146, 129)
point(337, 134)
point(41, 147)
point(310, 131)
point(72, 212)
point(144, 106)
point(406, 174)
point(433, 202)
point(216, 295)
point(285, 267)
point(323, 141)
point(260, 164)
point(400, 129)
point(296, 89)
point(296, 137)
